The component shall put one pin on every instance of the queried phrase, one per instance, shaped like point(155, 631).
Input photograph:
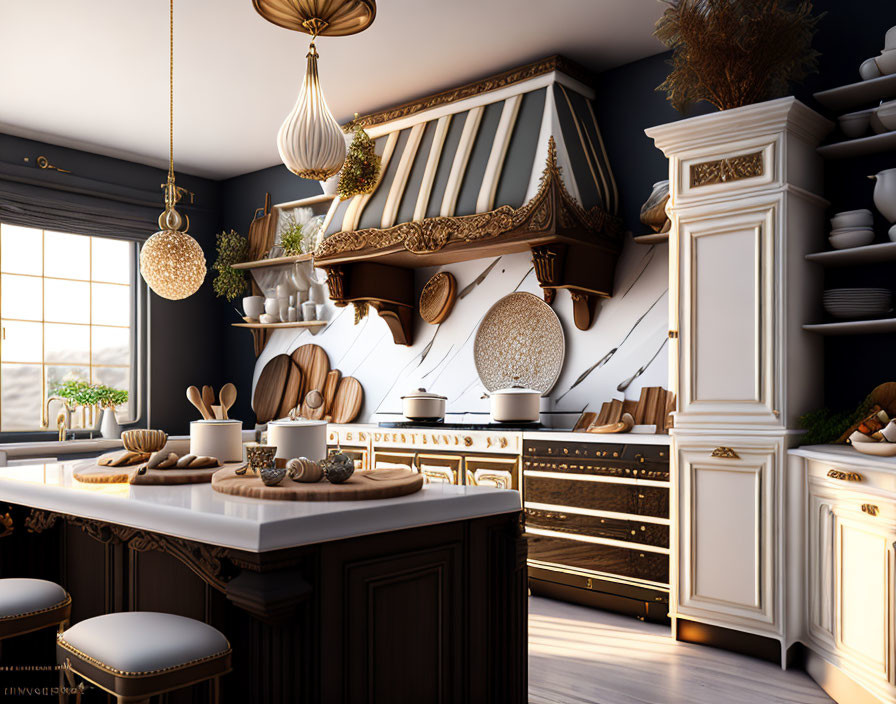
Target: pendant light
point(310, 141)
point(171, 261)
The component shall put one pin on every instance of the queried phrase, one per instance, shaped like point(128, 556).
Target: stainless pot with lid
point(423, 405)
point(515, 404)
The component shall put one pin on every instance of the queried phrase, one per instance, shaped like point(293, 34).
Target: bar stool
point(28, 605)
point(135, 655)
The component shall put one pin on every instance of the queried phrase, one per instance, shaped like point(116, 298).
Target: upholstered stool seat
point(137, 654)
point(31, 604)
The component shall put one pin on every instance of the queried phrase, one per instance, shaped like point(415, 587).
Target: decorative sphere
point(173, 265)
point(337, 467)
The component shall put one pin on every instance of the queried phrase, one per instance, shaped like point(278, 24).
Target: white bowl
point(869, 69)
point(855, 124)
point(886, 62)
point(855, 237)
point(886, 115)
point(852, 218)
point(890, 39)
point(892, 233)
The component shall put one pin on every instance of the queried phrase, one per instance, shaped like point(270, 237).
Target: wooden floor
point(579, 655)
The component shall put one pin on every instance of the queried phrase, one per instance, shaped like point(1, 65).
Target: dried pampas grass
point(735, 52)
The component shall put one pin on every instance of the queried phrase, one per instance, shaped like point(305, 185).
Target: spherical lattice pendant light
point(171, 261)
point(310, 141)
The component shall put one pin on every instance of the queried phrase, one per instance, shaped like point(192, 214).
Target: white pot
point(423, 405)
point(298, 438)
point(109, 426)
point(222, 439)
point(885, 194)
point(515, 404)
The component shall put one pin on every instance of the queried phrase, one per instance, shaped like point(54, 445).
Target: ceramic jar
point(515, 404)
point(298, 438)
point(222, 439)
point(885, 194)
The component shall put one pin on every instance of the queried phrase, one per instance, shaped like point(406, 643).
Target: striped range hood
point(510, 163)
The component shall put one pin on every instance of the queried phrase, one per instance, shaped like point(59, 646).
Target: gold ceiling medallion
point(310, 141)
point(734, 168)
point(171, 261)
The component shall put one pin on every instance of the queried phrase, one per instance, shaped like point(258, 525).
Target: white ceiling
point(93, 74)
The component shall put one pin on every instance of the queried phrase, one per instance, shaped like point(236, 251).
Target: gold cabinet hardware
point(673, 334)
point(6, 523)
point(468, 440)
point(589, 584)
point(726, 453)
point(844, 476)
point(870, 509)
point(777, 413)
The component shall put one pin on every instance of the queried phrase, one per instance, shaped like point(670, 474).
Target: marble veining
point(629, 333)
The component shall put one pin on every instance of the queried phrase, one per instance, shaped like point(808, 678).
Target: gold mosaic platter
point(519, 342)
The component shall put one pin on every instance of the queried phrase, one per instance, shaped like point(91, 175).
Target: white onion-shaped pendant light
point(172, 262)
point(310, 141)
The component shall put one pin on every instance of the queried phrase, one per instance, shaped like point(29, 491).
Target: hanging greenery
point(361, 168)
point(736, 52)
point(232, 248)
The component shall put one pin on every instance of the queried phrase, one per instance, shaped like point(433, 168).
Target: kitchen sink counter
point(196, 512)
point(56, 448)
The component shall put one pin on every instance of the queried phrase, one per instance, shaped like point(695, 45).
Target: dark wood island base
point(426, 614)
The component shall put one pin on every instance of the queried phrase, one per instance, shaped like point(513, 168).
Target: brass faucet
point(62, 419)
point(60, 425)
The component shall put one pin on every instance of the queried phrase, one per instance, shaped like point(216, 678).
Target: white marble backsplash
point(630, 331)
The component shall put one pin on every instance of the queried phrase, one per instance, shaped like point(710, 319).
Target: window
point(67, 311)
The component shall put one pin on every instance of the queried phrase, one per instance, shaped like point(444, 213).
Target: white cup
point(253, 306)
point(309, 310)
point(317, 293)
point(272, 307)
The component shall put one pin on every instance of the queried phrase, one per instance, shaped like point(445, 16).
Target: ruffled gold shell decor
point(310, 141)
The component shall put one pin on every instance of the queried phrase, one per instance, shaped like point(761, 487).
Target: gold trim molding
point(432, 234)
point(725, 453)
point(735, 168)
point(470, 90)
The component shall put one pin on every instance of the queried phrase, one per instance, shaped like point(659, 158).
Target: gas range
point(442, 425)
point(433, 437)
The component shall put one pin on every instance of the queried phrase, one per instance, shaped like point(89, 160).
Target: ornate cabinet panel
point(727, 360)
point(727, 538)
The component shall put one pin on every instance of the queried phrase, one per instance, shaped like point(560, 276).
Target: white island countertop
point(196, 512)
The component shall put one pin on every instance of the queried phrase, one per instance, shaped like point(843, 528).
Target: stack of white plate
point(857, 303)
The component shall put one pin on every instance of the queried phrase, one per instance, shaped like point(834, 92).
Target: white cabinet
point(847, 564)
point(727, 499)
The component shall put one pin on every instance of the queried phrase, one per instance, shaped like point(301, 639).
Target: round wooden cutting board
point(361, 486)
point(270, 388)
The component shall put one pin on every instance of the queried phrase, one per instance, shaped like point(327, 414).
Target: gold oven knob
point(468, 441)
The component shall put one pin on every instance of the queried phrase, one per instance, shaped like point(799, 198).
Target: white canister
point(309, 310)
point(298, 438)
point(217, 438)
point(515, 404)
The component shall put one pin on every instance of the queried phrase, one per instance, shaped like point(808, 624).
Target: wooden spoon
point(227, 397)
point(195, 397)
point(208, 396)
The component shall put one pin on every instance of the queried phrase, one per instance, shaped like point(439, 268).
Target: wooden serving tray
point(361, 486)
point(96, 474)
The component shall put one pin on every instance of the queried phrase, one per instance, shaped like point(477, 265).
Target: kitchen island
point(418, 598)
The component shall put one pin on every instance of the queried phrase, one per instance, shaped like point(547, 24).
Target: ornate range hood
point(512, 163)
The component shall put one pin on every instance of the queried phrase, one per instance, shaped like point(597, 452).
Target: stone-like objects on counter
point(185, 461)
point(260, 456)
point(271, 476)
point(338, 467)
point(302, 469)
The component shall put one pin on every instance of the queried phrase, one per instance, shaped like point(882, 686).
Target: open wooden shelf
point(655, 238)
point(855, 95)
point(274, 326)
point(869, 254)
point(274, 261)
point(874, 144)
point(854, 327)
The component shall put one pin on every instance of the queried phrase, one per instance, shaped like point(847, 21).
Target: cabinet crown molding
point(769, 117)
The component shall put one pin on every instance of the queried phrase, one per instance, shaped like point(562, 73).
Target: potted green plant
point(107, 399)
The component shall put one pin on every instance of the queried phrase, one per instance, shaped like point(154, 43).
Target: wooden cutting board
point(358, 487)
point(315, 365)
point(348, 399)
point(270, 387)
point(94, 474)
point(291, 391)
